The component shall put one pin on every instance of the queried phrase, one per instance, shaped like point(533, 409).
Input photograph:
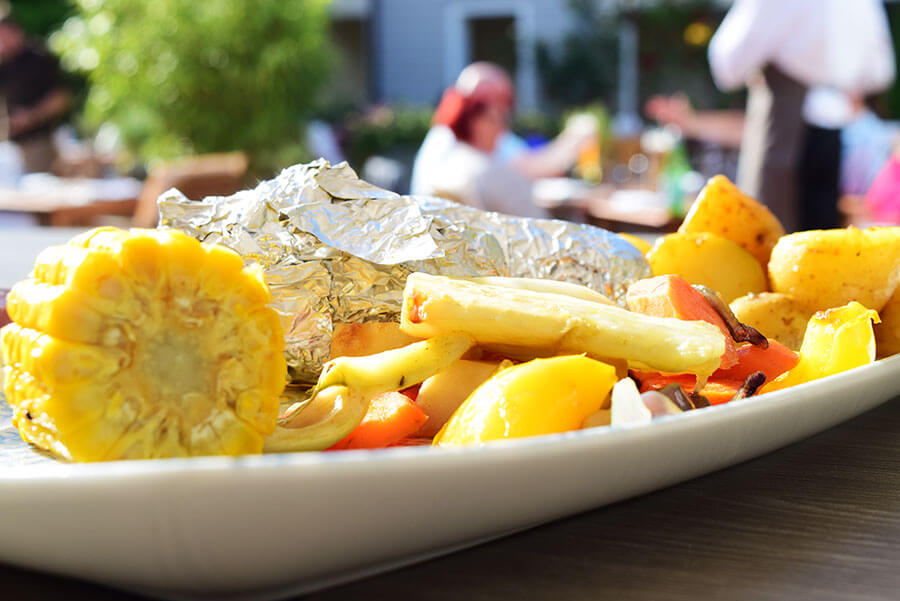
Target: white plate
point(265, 527)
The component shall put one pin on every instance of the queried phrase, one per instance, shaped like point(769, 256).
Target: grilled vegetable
point(772, 361)
point(627, 406)
point(142, 343)
point(738, 331)
point(671, 296)
point(542, 396)
point(548, 286)
point(443, 393)
point(391, 417)
point(836, 340)
point(340, 398)
point(516, 321)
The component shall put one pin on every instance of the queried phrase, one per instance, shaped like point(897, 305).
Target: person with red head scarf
point(476, 109)
point(471, 156)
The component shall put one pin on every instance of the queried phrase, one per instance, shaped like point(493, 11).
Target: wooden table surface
point(71, 202)
point(818, 520)
point(615, 209)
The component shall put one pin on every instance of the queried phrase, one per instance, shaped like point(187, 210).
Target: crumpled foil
point(334, 248)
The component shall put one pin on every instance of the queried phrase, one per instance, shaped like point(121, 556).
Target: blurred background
point(135, 97)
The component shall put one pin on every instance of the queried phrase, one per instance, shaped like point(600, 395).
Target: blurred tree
point(40, 17)
point(583, 67)
point(889, 102)
point(674, 38)
point(180, 78)
point(385, 130)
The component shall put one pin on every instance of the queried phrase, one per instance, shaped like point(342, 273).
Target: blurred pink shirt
point(883, 198)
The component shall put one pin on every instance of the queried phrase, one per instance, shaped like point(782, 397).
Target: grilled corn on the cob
point(140, 344)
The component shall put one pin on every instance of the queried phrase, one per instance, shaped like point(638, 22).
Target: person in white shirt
point(779, 49)
point(471, 156)
point(439, 141)
point(826, 111)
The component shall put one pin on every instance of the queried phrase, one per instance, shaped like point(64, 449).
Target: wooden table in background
point(71, 202)
point(625, 210)
point(615, 209)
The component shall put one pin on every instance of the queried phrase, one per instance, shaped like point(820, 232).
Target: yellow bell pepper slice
point(836, 340)
point(541, 396)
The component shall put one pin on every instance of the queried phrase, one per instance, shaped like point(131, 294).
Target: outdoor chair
point(195, 177)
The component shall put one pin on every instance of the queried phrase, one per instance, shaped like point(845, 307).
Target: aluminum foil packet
point(334, 248)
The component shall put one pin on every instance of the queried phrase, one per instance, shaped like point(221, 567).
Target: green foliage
point(583, 67)
point(40, 17)
point(668, 62)
point(541, 124)
point(890, 101)
point(384, 130)
point(190, 77)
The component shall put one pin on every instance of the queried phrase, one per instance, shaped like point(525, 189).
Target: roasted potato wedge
point(722, 209)
point(887, 333)
point(711, 260)
point(829, 268)
point(775, 315)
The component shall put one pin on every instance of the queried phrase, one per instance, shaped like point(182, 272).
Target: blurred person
point(867, 143)
point(826, 112)
point(862, 146)
point(471, 155)
point(779, 50)
point(882, 201)
point(722, 127)
point(34, 97)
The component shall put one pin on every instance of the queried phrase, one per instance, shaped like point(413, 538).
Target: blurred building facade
point(410, 50)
